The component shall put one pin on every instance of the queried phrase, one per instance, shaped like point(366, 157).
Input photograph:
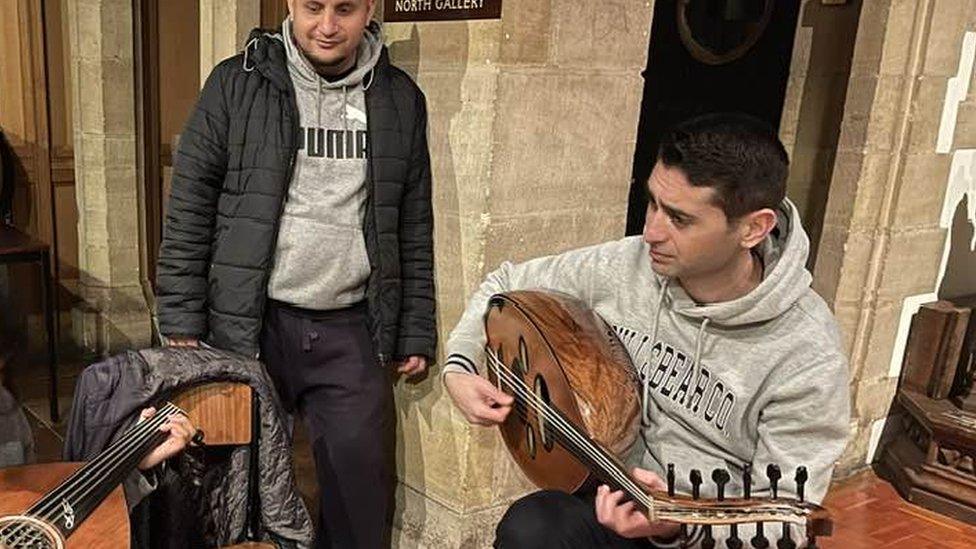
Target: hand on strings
point(624, 517)
point(480, 402)
point(180, 430)
point(413, 366)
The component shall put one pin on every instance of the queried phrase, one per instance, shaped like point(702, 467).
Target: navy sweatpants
point(324, 367)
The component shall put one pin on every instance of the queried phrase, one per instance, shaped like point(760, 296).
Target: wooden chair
point(18, 247)
point(226, 414)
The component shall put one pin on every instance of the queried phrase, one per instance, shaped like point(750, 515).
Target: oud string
point(732, 513)
point(88, 477)
point(552, 416)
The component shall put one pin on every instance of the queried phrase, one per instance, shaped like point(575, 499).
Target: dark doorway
point(707, 56)
point(167, 47)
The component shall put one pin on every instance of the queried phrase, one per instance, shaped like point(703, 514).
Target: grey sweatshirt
point(757, 380)
point(320, 259)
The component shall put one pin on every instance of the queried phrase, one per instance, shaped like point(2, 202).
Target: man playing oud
point(740, 361)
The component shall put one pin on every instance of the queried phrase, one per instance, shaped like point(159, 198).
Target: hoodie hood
point(305, 76)
point(785, 279)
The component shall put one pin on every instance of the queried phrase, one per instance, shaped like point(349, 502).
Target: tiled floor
point(867, 511)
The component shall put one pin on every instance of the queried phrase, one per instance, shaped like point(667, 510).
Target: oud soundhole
point(530, 440)
point(28, 532)
point(542, 392)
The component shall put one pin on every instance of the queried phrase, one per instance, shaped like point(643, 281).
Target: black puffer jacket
point(231, 178)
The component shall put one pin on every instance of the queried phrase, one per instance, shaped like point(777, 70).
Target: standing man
point(300, 227)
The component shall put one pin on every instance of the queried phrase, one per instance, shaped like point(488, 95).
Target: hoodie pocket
point(319, 265)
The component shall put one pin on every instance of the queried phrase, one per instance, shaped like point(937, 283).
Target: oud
point(58, 505)
point(577, 407)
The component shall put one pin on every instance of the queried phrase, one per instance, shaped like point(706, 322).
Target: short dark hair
point(739, 156)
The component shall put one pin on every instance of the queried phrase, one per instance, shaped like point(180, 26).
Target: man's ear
point(755, 226)
point(372, 9)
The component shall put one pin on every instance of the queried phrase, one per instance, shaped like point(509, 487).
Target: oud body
point(21, 487)
point(538, 334)
point(57, 505)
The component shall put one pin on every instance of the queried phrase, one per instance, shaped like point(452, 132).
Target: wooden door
point(167, 83)
point(35, 114)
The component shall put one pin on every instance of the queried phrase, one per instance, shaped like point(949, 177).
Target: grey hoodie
point(320, 259)
point(757, 380)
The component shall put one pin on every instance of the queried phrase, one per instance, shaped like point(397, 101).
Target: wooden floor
point(869, 513)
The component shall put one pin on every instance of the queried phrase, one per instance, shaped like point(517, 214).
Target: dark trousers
point(551, 520)
point(324, 366)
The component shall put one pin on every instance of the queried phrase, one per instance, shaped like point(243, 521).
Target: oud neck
point(76, 498)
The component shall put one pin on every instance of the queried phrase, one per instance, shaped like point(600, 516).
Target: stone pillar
point(224, 26)
point(114, 315)
point(533, 122)
point(881, 253)
point(814, 104)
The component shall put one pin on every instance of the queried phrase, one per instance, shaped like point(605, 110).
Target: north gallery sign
point(440, 10)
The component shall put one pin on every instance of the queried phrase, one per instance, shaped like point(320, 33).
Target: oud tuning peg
point(774, 474)
point(670, 475)
point(801, 479)
point(720, 477)
point(733, 541)
point(747, 481)
point(786, 542)
point(759, 541)
point(696, 479)
point(670, 480)
point(707, 542)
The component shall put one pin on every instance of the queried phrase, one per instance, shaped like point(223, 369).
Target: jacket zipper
point(289, 174)
point(371, 213)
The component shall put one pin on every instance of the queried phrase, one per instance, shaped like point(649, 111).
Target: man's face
point(329, 31)
point(689, 236)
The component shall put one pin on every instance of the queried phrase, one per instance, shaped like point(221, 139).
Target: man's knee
point(537, 520)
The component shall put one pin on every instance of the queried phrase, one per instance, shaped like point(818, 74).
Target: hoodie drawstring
point(698, 347)
point(647, 374)
point(247, 50)
point(696, 363)
point(318, 103)
point(345, 107)
point(368, 80)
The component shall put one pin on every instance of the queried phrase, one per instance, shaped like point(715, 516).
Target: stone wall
point(814, 105)
point(224, 26)
point(533, 121)
point(881, 253)
point(114, 315)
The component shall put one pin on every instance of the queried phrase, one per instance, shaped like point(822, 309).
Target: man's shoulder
point(817, 323)
point(226, 71)
point(231, 65)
